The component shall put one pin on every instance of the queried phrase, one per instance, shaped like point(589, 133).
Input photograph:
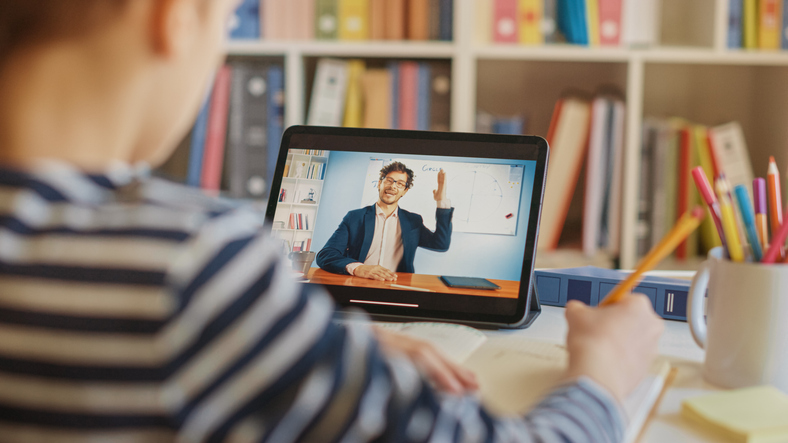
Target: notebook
point(514, 372)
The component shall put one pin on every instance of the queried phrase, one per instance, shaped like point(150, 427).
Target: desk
point(678, 347)
point(509, 289)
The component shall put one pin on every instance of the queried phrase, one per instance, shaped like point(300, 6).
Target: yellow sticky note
point(750, 415)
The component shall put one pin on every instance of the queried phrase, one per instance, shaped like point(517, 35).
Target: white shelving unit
point(692, 75)
point(299, 188)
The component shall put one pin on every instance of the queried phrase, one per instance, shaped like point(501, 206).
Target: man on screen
point(378, 240)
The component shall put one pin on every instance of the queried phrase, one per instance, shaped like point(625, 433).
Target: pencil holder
point(745, 332)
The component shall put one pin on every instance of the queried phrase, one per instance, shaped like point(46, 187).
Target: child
point(134, 309)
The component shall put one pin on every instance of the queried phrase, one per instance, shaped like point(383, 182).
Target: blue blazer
point(351, 241)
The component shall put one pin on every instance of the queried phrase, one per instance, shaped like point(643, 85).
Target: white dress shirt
point(386, 249)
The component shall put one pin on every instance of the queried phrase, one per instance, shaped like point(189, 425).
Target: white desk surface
point(678, 346)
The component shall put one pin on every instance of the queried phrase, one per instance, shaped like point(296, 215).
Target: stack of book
point(585, 126)
point(398, 95)
point(234, 144)
point(582, 22)
point(757, 24)
point(671, 148)
point(344, 20)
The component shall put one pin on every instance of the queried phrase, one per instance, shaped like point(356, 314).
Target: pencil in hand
point(684, 227)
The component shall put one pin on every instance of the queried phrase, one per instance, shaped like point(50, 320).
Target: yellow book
point(769, 24)
point(749, 415)
point(709, 238)
point(592, 22)
point(354, 102)
point(530, 18)
point(750, 24)
point(353, 19)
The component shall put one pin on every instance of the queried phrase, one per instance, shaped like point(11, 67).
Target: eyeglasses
point(399, 183)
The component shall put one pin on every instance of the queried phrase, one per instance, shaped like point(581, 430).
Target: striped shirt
point(133, 309)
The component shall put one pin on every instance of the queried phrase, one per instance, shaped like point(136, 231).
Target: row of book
point(671, 148)
point(314, 152)
point(583, 22)
point(315, 171)
point(298, 221)
point(343, 20)
point(235, 140)
point(295, 246)
point(399, 95)
point(497, 124)
point(758, 24)
point(590, 129)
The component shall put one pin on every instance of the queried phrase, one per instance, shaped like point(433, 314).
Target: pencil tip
point(771, 159)
point(698, 212)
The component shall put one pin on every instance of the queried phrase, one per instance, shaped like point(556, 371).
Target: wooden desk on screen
point(509, 289)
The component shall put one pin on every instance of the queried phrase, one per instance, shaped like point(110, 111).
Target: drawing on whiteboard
point(476, 196)
point(485, 196)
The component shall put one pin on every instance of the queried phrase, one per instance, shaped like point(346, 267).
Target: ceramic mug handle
point(697, 294)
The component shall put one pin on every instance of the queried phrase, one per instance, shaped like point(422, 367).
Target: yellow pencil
point(729, 227)
point(684, 227)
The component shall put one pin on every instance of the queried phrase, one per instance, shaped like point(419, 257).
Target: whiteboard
point(485, 197)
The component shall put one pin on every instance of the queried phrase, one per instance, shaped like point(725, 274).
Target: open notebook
point(515, 373)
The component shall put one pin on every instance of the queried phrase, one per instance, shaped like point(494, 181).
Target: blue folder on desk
point(590, 284)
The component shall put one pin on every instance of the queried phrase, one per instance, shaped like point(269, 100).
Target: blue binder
point(590, 285)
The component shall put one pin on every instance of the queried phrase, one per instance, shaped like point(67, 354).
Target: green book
point(326, 20)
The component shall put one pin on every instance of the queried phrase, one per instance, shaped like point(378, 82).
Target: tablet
point(469, 283)
point(416, 205)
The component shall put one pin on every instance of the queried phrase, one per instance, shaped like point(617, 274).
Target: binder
point(590, 285)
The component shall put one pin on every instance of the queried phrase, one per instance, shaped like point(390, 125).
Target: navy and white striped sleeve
point(254, 356)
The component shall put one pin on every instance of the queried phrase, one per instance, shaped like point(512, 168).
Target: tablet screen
point(352, 207)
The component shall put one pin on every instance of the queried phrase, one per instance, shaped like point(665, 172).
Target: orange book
point(377, 98)
point(395, 19)
point(418, 19)
point(377, 19)
point(769, 24)
point(568, 141)
point(213, 157)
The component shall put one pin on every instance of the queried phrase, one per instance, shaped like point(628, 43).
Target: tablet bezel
point(510, 147)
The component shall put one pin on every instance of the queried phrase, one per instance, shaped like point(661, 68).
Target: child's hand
point(444, 373)
point(614, 345)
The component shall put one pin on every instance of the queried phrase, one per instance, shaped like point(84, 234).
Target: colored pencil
point(735, 250)
point(761, 214)
point(748, 218)
point(684, 227)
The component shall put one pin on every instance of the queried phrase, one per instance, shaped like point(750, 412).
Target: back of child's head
point(25, 23)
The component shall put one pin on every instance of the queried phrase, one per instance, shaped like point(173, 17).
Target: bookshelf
point(690, 74)
point(303, 182)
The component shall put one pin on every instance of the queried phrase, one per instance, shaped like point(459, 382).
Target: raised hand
point(440, 193)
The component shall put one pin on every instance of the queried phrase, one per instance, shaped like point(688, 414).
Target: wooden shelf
point(692, 74)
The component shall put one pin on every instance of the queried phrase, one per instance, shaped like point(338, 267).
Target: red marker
point(778, 240)
point(509, 215)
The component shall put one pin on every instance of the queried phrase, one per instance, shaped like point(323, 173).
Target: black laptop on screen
point(412, 224)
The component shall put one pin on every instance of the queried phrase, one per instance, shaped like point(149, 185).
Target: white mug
point(745, 333)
